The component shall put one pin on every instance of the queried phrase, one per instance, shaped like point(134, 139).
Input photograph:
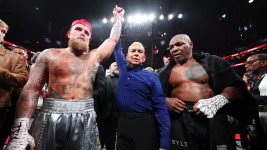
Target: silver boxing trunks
point(65, 124)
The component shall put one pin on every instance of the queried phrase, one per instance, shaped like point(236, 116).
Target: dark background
point(40, 24)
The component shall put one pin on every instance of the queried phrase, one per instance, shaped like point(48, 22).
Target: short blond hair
point(3, 25)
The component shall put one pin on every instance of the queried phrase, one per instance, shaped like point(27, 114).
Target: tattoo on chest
point(66, 89)
point(91, 75)
point(195, 72)
point(54, 93)
point(76, 68)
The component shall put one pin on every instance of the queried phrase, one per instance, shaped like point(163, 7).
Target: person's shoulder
point(264, 76)
point(203, 55)
point(209, 55)
point(101, 69)
point(93, 50)
point(92, 53)
point(149, 73)
point(55, 50)
point(3, 49)
point(48, 53)
point(12, 54)
point(215, 56)
point(108, 76)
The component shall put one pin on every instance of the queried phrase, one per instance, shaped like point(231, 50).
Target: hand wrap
point(211, 105)
point(20, 137)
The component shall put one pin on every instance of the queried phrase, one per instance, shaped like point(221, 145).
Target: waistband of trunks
point(189, 106)
point(65, 106)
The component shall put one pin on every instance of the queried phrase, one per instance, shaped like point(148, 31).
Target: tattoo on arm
point(116, 29)
point(28, 100)
point(33, 106)
point(22, 105)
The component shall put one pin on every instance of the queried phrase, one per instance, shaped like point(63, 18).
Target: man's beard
point(78, 45)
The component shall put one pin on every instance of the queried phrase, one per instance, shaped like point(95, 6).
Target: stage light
point(250, 1)
point(111, 19)
point(180, 16)
point(170, 16)
point(144, 18)
point(151, 17)
point(105, 20)
point(162, 42)
point(59, 43)
point(140, 18)
point(47, 40)
point(130, 19)
point(137, 19)
point(161, 17)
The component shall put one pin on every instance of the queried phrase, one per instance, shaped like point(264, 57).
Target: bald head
point(182, 37)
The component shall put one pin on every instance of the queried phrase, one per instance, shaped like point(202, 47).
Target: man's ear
point(191, 44)
point(144, 59)
point(90, 37)
point(68, 34)
point(264, 63)
point(126, 56)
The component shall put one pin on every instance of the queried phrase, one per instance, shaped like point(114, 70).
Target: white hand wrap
point(20, 137)
point(211, 105)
